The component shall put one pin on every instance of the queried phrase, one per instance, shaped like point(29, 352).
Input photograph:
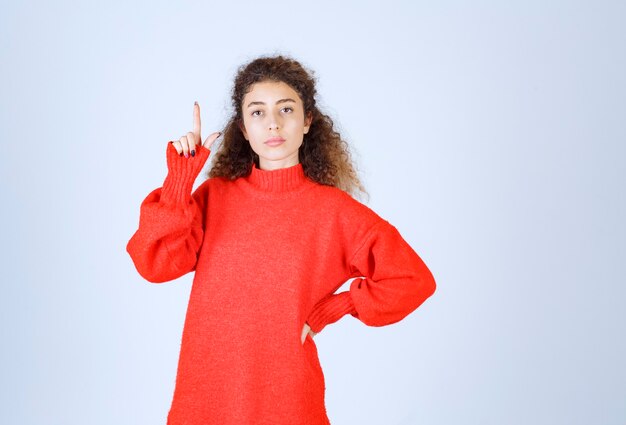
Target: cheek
point(248, 128)
point(296, 122)
point(251, 124)
point(255, 133)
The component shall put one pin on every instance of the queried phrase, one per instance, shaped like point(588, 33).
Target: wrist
point(330, 309)
point(182, 173)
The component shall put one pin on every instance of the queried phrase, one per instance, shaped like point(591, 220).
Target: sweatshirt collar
point(280, 180)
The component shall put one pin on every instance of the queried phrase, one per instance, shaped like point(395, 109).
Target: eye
point(288, 108)
point(254, 113)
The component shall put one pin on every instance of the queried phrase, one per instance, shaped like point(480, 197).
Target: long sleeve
point(391, 282)
point(170, 233)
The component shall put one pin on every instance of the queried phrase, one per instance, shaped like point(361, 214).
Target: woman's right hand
point(186, 145)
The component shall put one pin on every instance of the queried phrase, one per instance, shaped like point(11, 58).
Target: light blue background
point(490, 134)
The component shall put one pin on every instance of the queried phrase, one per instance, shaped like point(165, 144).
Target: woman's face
point(274, 123)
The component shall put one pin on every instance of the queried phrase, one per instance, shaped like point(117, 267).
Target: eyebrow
point(277, 102)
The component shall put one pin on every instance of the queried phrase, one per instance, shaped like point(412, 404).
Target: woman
point(271, 235)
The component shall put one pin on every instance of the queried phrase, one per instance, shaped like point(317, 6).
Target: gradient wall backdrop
point(491, 134)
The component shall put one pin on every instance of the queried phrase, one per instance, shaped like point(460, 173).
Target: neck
point(268, 164)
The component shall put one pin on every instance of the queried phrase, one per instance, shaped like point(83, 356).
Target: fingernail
point(186, 155)
point(195, 103)
point(193, 152)
point(180, 154)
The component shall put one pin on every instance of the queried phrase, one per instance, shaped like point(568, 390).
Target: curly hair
point(324, 155)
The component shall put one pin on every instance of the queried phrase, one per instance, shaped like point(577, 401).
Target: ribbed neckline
point(280, 180)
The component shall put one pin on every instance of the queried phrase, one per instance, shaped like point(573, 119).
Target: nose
point(273, 124)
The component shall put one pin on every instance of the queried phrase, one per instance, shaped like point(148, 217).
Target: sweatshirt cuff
point(330, 309)
point(181, 175)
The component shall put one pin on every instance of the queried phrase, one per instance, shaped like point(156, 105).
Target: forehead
point(270, 91)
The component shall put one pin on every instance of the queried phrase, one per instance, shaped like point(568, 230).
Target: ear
point(243, 129)
point(307, 122)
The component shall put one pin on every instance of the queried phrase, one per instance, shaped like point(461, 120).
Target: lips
point(274, 141)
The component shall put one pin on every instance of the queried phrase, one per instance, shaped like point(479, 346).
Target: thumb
point(305, 330)
point(211, 139)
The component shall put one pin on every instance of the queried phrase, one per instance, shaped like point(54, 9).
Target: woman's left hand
point(306, 329)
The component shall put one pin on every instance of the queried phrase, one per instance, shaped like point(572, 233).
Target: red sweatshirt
point(268, 251)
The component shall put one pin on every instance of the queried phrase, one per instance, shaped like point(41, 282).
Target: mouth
point(274, 141)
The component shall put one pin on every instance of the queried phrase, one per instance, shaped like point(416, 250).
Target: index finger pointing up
point(196, 120)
